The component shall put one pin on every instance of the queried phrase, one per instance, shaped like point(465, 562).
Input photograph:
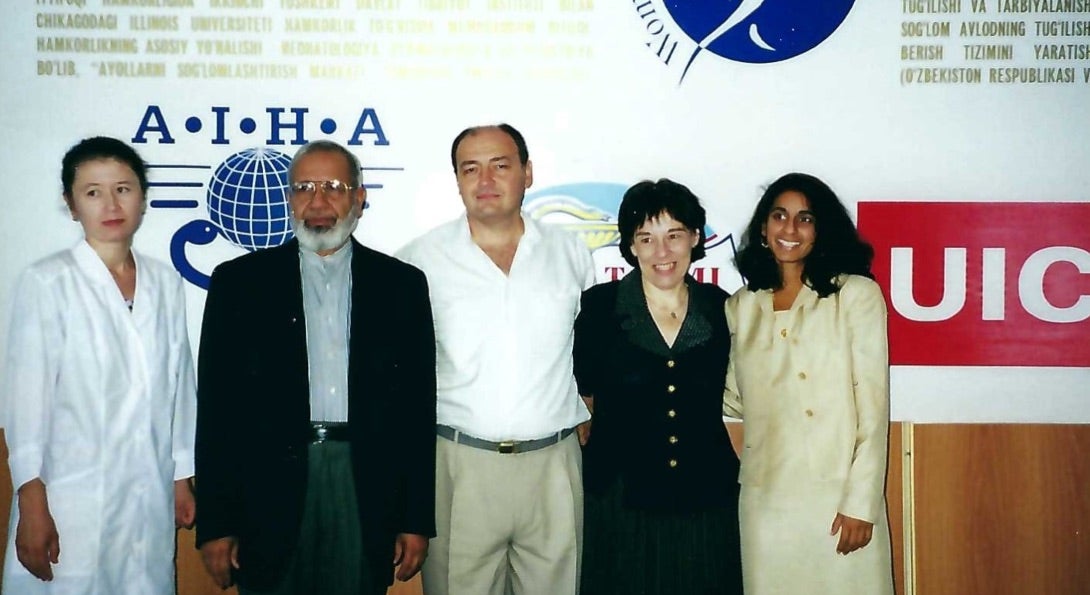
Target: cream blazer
point(812, 385)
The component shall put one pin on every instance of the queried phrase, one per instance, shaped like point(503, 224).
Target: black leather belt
point(505, 447)
point(326, 430)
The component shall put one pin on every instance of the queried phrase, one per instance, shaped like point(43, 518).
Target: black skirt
point(628, 551)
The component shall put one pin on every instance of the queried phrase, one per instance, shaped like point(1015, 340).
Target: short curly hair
point(647, 200)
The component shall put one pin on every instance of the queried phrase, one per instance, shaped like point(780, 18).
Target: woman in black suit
point(651, 354)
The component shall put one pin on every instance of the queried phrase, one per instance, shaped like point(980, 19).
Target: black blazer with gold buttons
point(657, 425)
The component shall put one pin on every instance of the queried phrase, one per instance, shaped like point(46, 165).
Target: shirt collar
point(89, 261)
point(807, 298)
point(531, 232)
point(331, 261)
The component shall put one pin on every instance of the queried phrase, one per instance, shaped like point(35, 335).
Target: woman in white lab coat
point(98, 398)
point(809, 375)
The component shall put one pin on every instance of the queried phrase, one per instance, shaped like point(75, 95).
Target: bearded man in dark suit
point(316, 403)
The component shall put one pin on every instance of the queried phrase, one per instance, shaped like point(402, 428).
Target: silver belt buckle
point(320, 433)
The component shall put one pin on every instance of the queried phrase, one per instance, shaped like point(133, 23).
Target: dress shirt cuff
point(26, 464)
point(183, 465)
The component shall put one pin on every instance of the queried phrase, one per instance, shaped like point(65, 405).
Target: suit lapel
point(295, 315)
point(360, 350)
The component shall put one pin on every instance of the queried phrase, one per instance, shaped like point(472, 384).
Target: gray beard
point(327, 239)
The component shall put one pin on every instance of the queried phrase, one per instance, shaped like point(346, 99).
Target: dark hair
point(96, 148)
point(520, 142)
point(647, 200)
point(837, 250)
point(328, 146)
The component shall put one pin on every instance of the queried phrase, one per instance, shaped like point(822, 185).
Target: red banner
point(983, 284)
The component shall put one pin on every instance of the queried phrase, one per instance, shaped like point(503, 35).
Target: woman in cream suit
point(809, 375)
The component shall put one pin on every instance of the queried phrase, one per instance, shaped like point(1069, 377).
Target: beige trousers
point(507, 523)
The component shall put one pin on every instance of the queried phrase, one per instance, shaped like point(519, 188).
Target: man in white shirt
point(505, 291)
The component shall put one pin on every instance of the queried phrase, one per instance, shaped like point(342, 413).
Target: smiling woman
point(809, 376)
point(651, 351)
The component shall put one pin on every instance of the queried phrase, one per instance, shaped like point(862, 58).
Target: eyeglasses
point(331, 187)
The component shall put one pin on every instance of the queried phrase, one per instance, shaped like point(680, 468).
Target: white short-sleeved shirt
point(504, 342)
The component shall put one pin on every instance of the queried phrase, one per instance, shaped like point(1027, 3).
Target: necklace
point(674, 311)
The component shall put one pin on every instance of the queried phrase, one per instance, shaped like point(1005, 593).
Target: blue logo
point(248, 199)
point(751, 31)
point(246, 196)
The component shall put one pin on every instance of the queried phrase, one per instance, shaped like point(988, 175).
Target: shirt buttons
point(783, 333)
point(672, 439)
point(670, 363)
point(671, 413)
point(809, 413)
point(802, 375)
point(671, 388)
point(673, 463)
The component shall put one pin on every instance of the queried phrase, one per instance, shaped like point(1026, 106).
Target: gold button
point(809, 413)
point(671, 388)
point(673, 463)
point(670, 363)
point(671, 413)
point(783, 333)
point(802, 375)
point(673, 439)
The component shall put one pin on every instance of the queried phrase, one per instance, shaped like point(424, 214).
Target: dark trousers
point(328, 558)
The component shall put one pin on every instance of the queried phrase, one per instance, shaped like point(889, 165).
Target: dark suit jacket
point(253, 408)
point(637, 381)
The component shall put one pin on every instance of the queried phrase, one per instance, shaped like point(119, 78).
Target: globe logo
point(758, 31)
point(248, 199)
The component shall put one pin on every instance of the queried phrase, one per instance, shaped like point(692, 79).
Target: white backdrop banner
point(956, 131)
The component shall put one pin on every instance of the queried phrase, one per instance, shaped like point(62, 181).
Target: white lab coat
point(100, 403)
